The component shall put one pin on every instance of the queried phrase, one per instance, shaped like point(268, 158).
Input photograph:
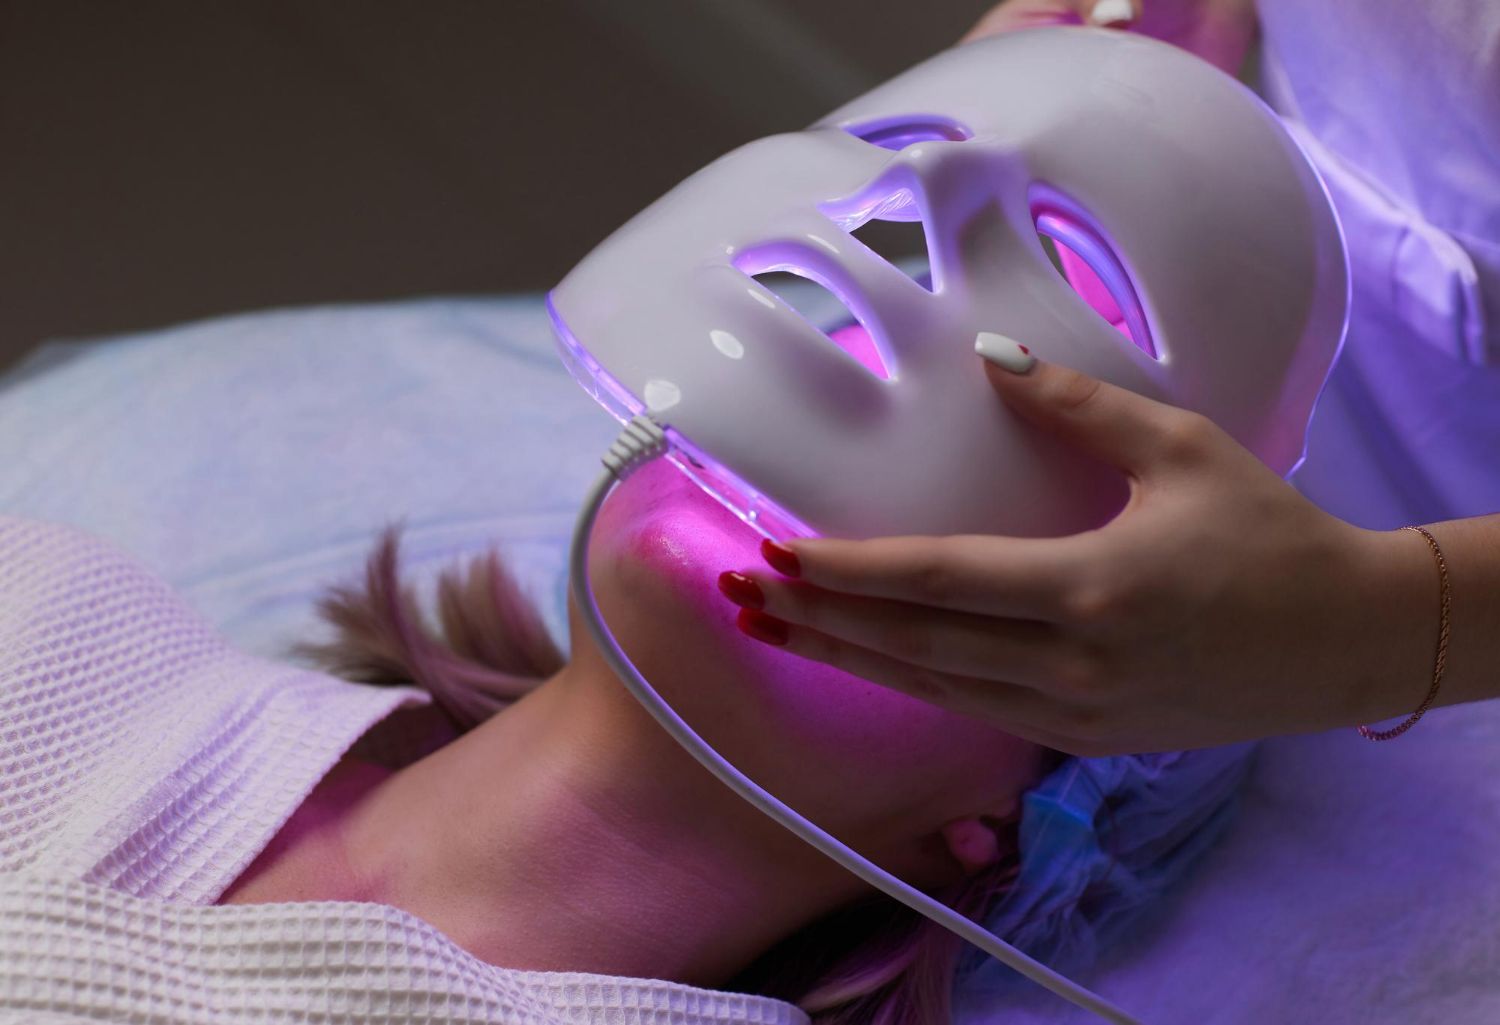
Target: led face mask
point(1192, 220)
point(1203, 264)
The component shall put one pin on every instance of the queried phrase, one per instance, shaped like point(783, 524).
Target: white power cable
point(641, 441)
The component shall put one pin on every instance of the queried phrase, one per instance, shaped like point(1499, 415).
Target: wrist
point(1396, 592)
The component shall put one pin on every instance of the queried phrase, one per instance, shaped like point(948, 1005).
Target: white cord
point(641, 441)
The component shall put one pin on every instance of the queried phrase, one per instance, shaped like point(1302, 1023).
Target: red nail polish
point(1023, 348)
point(764, 628)
point(781, 558)
point(741, 590)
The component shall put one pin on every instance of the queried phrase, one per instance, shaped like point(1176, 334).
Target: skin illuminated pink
point(574, 797)
point(856, 341)
point(670, 542)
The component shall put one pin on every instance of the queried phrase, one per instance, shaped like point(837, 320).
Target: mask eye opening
point(813, 298)
point(897, 133)
point(1086, 259)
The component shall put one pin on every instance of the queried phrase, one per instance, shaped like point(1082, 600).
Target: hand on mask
point(1218, 605)
point(1219, 31)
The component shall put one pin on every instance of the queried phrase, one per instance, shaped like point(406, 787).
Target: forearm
point(1409, 610)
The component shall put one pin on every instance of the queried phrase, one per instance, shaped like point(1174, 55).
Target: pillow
point(251, 460)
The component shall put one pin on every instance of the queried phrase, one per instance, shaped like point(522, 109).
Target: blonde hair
point(873, 963)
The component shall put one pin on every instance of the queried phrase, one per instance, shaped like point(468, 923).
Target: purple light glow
point(853, 214)
point(896, 133)
point(756, 510)
point(866, 346)
point(1106, 287)
point(857, 341)
point(604, 389)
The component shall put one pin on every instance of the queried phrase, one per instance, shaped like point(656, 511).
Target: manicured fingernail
point(781, 558)
point(764, 628)
point(741, 590)
point(1006, 353)
point(1112, 12)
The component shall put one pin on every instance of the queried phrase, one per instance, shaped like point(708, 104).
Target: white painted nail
point(1112, 12)
point(1006, 353)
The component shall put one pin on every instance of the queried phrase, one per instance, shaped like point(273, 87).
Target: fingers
point(958, 643)
point(1113, 13)
point(1019, 14)
point(1027, 678)
point(1021, 711)
point(1009, 705)
point(1126, 430)
point(1017, 578)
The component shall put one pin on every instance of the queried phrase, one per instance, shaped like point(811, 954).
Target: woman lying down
point(190, 834)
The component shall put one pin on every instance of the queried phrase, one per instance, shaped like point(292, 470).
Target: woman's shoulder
point(138, 748)
point(89, 640)
point(60, 584)
point(77, 615)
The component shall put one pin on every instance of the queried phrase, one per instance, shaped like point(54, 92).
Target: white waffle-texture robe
point(144, 763)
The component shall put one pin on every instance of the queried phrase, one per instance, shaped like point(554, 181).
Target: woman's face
point(866, 762)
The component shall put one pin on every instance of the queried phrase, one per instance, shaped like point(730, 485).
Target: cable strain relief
point(639, 441)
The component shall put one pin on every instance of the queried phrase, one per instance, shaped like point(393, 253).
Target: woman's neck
point(569, 833)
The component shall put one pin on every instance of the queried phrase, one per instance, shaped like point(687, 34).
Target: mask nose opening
point(1087, 261)
point(902, 244)
point(891, 226)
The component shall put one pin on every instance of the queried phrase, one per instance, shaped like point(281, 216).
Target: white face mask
point(1206, 235)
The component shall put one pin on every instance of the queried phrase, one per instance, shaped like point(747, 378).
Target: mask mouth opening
point(1088, 261)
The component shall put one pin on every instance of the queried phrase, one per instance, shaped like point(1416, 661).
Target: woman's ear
point(978, 841)
point(972, 843)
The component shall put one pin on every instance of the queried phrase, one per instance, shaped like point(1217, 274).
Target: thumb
point(1114, 424)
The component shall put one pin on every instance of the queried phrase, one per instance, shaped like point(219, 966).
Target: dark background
point(163, 160)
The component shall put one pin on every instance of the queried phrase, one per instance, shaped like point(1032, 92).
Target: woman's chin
point(662, 523)
point(660, 544)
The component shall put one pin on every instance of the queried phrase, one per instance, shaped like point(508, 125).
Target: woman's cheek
point(659, 548)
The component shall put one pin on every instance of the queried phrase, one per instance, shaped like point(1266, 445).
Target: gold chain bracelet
point(1442, 647)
